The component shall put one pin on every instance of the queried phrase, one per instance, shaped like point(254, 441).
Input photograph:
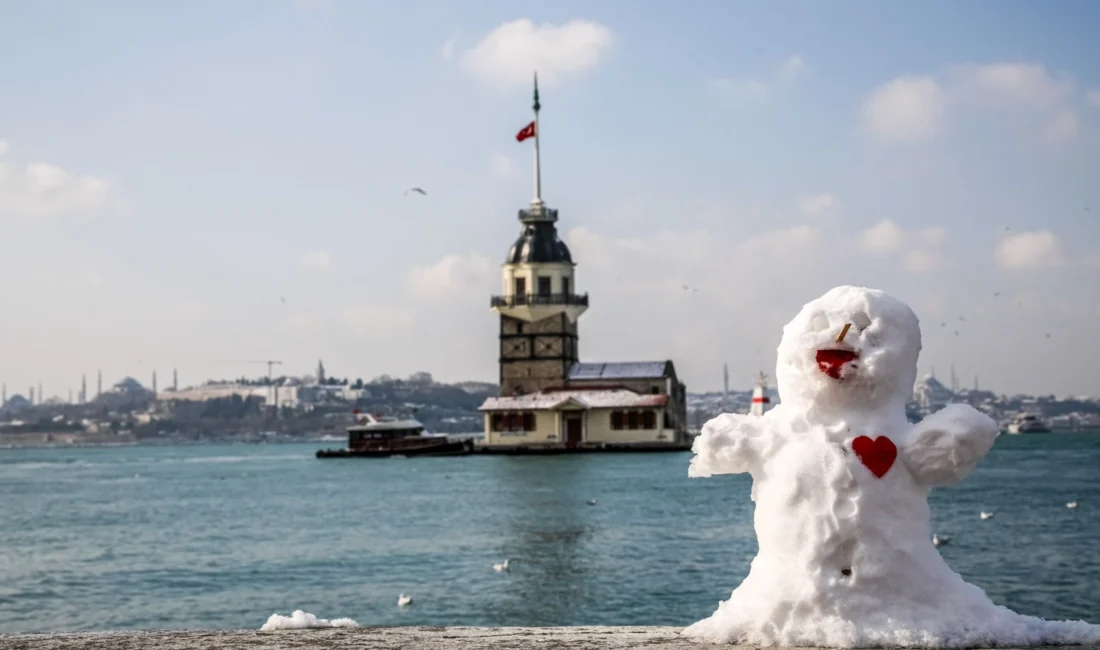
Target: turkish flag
point(526, 132)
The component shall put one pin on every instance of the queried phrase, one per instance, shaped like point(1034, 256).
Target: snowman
point(840, 480)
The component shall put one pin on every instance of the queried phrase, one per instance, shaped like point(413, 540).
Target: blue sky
point(195, 184)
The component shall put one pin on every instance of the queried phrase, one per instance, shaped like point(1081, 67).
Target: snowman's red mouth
point(831, 362)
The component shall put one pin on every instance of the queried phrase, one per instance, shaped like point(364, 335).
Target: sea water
point(222, 536)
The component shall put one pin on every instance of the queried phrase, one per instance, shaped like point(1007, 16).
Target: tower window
point(544, 286)
point(521, 287)
point(519, 328)
point(565, 286)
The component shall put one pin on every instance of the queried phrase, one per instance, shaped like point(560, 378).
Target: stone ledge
point(376, 638)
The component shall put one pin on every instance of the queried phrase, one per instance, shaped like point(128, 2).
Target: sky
point(207, 185)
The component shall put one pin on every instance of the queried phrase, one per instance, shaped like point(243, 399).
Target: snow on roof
point(589, 399)
point(620, 370)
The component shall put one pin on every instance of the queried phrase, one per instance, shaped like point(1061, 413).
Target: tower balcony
point(535, 307)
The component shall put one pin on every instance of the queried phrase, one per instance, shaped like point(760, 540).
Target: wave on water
point(300, 620)
point(237, 459)
point(38, 463)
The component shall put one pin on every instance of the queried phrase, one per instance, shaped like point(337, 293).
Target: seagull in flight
point(417, 190)
point(689, 289)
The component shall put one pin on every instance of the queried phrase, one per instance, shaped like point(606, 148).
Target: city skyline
point(953, 381)
point(206, 182)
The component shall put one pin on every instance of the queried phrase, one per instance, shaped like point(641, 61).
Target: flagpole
point(538, 168)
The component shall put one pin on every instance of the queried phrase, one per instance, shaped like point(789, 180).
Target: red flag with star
point(526, 132)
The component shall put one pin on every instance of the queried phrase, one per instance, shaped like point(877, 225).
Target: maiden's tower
point(549, 400)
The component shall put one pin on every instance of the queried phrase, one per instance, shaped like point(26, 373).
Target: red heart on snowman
point(878, 454)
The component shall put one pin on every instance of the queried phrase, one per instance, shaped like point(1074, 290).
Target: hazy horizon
point(182, 185)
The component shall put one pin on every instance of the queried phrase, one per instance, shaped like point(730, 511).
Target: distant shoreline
point(188, 443)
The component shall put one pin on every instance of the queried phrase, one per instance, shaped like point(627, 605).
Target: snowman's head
point(853, 348)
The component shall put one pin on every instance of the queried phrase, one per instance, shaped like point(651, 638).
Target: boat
point(1027, 423)
point(385, 436)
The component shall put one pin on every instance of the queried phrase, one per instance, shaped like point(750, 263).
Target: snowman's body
point(840, 482)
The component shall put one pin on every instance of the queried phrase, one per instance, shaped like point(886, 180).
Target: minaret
point(83, 388)
point(98, 383)
point(539, 307)
point(175, 380)
point(725, 382)
point(154, 384)
point(320, 372)
point(30, 395)
point(760, 398)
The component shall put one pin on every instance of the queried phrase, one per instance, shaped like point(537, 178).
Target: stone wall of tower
point(536, 356)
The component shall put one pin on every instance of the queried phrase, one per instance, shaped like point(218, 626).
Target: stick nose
point(843, 333)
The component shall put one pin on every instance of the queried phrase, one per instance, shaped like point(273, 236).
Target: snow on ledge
point(300, 620)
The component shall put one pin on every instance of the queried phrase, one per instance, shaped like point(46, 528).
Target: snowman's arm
point(943, 447)
point(728, 444)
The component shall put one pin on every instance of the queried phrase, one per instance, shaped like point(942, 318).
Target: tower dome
point(539, 244)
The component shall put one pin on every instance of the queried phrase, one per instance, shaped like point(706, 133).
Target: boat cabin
point(378, 432)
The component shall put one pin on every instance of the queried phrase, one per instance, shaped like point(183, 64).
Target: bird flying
point(417, 190)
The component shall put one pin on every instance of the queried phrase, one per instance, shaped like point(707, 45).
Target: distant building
point(547, 396)
point(931, 394)
point(288, 396)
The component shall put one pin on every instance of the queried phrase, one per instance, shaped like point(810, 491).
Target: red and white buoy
point(760, 396)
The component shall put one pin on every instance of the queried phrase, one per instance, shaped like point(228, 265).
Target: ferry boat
point(1027, 423)
point(384, 437)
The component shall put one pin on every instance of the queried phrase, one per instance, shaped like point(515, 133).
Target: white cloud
point(914, 108)
point(793, 67)
point(501, 164)
point(1030, 84)
point(1028, 250)
point(697, 258)
point(882, 238)
point(511, 52)
point(905, 109)
point(753, 89)
point(921, 251)
point(318, 259)
point(818, 205)
point(453, 275)
point(923, 261)
point(377, 320)
point(41, 189)
point(932, 236)
point(1093, 98)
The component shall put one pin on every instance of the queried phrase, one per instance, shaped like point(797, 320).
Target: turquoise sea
point(222, 536)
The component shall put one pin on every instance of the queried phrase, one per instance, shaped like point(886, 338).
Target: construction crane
point(271, 381)
point(271, 364)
